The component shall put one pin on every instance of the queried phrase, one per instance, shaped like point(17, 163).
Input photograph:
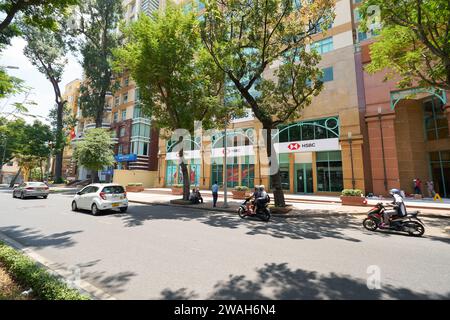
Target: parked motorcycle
point(410, 223)
point(245, 210)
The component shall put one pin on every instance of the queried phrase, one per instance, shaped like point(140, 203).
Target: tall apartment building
point(71, 95)
point(320, 153)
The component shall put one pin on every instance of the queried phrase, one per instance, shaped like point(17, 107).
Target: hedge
point(27, 273)
point(351, 193)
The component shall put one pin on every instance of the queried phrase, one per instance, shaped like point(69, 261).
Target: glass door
point(304, 178)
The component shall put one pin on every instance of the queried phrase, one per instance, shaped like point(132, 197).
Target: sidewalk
point(426, 203)
point(300, 208)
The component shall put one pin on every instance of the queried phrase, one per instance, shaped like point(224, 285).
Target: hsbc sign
point(308, 146)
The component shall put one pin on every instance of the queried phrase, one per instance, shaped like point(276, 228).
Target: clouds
point(42, 90)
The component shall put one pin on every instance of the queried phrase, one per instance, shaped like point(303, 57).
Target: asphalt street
point(162, 252)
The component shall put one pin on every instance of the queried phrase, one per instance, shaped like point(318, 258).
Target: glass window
point(117, 101)
point(125, 98)
point(295, 133)
point(116, 116)
point(440, 171)
point(122, 132)
point(307, 131)
point(436, 123)
point(327, 74)
point(329, 171)
point(217, 171)
point(120, 150)
point(124, 115)
point(323, 46)
point(113, 190)
point(248, 171)
point(136, 112)
point(126, 82)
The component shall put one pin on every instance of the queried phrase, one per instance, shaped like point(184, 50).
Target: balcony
point(105, 125)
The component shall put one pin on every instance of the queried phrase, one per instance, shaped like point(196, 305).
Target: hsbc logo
point(294, 146)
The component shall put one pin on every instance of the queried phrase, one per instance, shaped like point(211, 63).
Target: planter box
point(353, 201)
point(135, 188)
point(418, 197)
point(239, 194)
point(177, 191)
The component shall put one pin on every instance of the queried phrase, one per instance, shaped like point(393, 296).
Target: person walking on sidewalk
point(417, 186)
point(215, 193)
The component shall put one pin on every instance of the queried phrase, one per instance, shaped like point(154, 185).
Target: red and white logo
point(294, 146)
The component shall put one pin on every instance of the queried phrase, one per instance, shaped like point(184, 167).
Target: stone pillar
point(355, 156)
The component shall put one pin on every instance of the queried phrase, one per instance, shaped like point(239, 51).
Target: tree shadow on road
point(34, 238)
point(294, 228)
point(279, 282)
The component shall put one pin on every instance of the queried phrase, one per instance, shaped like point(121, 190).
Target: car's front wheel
point(45, 197)
point(22, 196)
point(74, 206)
point(94, 210)
point(124, 209)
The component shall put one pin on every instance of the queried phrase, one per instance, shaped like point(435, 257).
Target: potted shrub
point(135, 187)
point(353, 197)
point(240, 192)
point(177, 189)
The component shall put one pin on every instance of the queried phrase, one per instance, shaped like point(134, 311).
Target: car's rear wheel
point(14, 194)
point(74, 206)
point(22, 196)
point(94, 210)
point(44, 197)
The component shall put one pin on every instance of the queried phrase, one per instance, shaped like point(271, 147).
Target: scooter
point(245, 210)
point(410, 223)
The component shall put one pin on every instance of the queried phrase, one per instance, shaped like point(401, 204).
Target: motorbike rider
point(262, 198)
point(253, 198)
point(398, 205)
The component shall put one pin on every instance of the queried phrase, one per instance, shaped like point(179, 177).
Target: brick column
point(385, 174)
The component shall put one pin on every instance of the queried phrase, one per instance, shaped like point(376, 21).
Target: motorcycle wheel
point(241, 213)
point(414, 229)
point(370, 224)
point(265, 216)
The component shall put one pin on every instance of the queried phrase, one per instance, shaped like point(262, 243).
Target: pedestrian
point(430, 188)
point(215, 193)
point(199, 195)
point(417, 186)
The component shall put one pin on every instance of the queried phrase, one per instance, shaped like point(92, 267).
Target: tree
point(32, 148)
point(12, 138)
point(179, 83)
point(245, 38)
point(47, 49)
point(95, 151)
point(35, 12)
point(414, 42)
point(98, 24)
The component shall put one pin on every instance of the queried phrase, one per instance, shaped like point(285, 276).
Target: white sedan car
point(97, 197)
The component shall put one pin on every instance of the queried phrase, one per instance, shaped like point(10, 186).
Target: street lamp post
point(3, 160)
point(351, 158)
point(382, 149)
point(225, 184)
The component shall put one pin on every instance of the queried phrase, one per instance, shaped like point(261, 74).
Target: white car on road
point(98, 196)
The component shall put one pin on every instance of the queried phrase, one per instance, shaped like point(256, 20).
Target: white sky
point(42, 90)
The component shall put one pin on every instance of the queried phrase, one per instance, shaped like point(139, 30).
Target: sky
point(42, 90)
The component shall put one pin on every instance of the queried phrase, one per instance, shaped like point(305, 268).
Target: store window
point(440, 170)
point(217, 171)
point(232, 174)
point(436, 123)
point(173, 173)
point(248, 171)
point(329, 171)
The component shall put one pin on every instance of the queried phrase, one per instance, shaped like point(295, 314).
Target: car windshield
point(113, 189)
point(36, 184)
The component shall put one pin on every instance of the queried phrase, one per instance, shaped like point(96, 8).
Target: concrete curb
point(83, 286)
point(281, 215)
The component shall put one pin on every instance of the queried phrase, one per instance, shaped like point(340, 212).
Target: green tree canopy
point(178, 81)
point(246, 38)
point(414, 42)
point(95, 151)
point(33, 12)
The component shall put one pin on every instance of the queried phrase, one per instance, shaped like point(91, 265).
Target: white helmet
point(394, 191)
point(261, 187)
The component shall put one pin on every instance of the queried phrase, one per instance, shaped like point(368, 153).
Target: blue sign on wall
point(126, 157)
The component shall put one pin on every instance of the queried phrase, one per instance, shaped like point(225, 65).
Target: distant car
point(98, 197)
point(31, 189)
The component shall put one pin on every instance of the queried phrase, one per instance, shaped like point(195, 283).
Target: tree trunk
point(59, 146)
point(94, 176)
point(42, 170)
point(13, 181)
point(186, 182)
point(278, 193)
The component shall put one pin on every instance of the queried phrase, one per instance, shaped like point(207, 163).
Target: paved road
point(159, 252)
